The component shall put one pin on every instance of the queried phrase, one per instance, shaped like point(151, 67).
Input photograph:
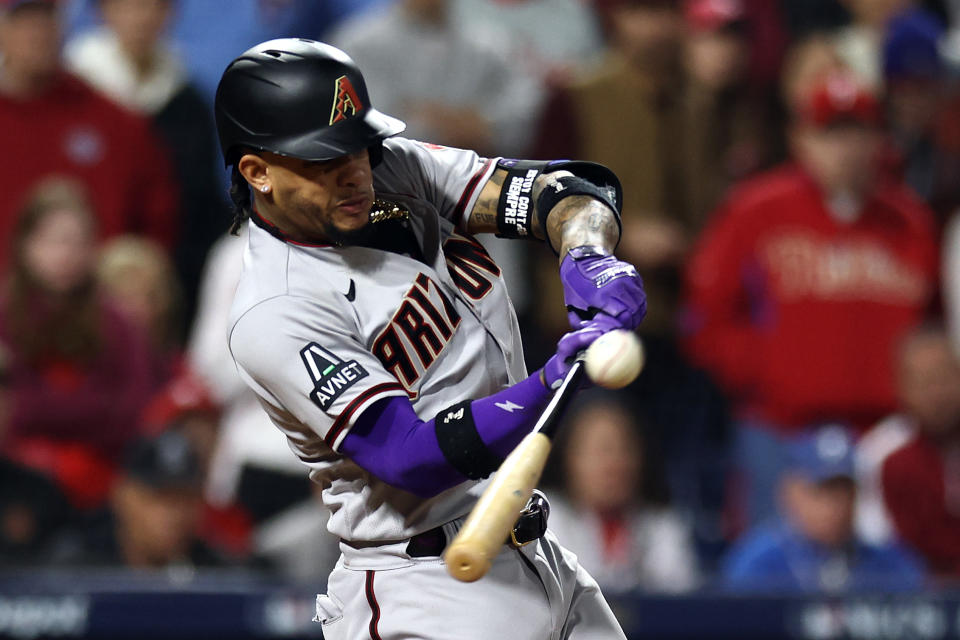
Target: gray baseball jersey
point(322, 332)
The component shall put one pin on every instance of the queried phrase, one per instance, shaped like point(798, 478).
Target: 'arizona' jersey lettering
point(470, 266)
point(418, 327)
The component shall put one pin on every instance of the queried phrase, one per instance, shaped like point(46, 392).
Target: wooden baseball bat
point(471, 553)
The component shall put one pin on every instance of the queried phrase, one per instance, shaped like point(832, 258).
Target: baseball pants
point(538, 592)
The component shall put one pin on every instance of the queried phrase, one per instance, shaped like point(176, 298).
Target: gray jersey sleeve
point(308, 367)
point(448, 178)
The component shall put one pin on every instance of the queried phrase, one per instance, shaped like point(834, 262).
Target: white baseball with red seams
point(615, 359)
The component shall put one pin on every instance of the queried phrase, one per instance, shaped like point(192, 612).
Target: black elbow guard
point(461, 444)
point(605, 180)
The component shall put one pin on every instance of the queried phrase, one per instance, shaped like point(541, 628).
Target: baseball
point(614, 359)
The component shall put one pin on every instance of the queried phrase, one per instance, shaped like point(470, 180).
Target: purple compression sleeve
point(392, 443)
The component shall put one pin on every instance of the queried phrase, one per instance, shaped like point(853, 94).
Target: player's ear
point(253, 168)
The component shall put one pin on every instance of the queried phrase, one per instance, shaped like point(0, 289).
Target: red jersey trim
point(460, 211)
point(272, 229)
point(347, 414)
point(373, 628)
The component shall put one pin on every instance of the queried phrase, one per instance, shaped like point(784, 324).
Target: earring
point(265, 188)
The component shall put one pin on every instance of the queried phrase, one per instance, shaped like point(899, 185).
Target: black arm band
point(461, 445)
point(566, 186)
point(515, 208)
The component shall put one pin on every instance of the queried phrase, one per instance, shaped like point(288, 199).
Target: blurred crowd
point(792, 180)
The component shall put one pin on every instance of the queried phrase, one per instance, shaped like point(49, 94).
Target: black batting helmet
point(298, 98)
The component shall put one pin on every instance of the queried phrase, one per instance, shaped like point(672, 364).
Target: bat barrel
point(471, 554)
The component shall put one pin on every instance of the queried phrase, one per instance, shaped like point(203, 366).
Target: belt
point(530, 526)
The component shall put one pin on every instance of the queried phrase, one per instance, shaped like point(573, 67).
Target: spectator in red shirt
point(805, 280)
point(53, 123)
point(921, 479)
point(76, 373)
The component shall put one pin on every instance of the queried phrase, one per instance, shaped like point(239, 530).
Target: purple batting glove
point(594, 282)
point(569, 348)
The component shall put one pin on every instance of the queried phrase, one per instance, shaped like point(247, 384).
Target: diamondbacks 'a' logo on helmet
point(345, 100)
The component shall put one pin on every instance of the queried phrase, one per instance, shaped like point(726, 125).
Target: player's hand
point(570, 346)
point(594, 283)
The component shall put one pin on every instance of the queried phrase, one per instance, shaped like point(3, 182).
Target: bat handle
point(550, 418)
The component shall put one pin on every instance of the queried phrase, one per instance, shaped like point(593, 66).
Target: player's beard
point(331, 232)
point(347, 237)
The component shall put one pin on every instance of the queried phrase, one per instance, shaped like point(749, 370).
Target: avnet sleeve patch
point(331, 375)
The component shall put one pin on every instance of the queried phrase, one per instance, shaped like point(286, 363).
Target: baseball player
point(378, 336)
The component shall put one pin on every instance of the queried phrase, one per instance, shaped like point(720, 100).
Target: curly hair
point(242, 202)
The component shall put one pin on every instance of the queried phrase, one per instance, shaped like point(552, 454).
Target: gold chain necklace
point(384, 210)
